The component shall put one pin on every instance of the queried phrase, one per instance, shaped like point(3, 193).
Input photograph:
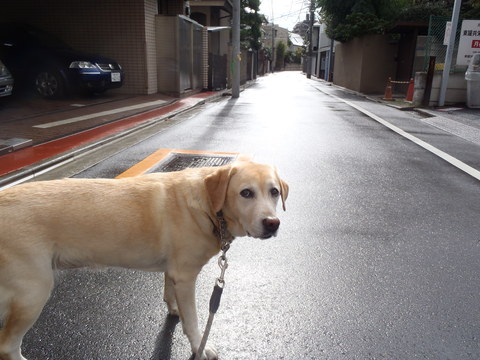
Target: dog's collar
point(220, 230)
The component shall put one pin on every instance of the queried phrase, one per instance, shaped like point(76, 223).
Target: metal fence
point(434, 45)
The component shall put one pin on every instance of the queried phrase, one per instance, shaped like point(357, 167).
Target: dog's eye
point(246, 193)
point(274, 192)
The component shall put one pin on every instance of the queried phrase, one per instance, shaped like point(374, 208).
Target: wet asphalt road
point(378, 255)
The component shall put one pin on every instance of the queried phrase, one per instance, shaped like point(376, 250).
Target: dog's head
point(248, 194)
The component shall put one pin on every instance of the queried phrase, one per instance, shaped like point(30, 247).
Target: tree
point(294, 57)
point(420, 10)
point(251, 23)
point(471, 9)
point(350, 18)
point(347, 19)
point(280, 55)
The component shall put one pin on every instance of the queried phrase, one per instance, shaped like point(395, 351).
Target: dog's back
point(161, 222)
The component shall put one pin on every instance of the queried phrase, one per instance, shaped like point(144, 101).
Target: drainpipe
point(236, 49)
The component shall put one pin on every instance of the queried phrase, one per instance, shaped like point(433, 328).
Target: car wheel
point(49, 84)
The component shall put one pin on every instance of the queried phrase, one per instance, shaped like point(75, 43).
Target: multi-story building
point(160, 47)
point(323, 49)
point(272, 35)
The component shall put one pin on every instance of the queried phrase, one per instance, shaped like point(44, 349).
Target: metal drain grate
point(178, 161)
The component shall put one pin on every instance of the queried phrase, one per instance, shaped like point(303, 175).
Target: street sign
point(469, 41)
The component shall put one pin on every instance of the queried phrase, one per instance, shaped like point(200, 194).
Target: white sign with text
point(469, 41)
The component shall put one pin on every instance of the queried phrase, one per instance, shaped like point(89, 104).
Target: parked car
point(42, 62)
point(6, 81)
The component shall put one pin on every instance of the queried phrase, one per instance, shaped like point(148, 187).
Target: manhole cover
point(178, 161)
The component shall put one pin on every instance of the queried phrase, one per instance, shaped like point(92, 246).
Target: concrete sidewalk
point(39, 120)
point(58, 132)
point(457, 120)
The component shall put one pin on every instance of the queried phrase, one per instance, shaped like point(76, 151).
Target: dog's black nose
point(271, 224)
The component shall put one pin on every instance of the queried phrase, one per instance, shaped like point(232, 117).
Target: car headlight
point(82, 65)
point(3, 70)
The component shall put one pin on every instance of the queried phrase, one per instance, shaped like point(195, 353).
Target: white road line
point(98, 114)
point(443, 155)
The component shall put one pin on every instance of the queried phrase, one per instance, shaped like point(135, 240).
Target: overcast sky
point(286, 13)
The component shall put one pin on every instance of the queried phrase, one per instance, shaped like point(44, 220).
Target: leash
point(219, 282)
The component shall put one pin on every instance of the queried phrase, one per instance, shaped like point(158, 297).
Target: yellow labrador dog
point(156, 222)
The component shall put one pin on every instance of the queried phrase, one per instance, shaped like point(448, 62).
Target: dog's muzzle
point(270, 226)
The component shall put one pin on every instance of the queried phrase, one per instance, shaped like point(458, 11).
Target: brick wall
point(121, 29)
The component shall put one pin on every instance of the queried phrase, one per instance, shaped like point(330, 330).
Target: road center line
point(443, 155)
point(99, 114)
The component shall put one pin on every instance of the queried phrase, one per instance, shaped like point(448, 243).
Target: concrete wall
point(456, 89)
point(365, 63)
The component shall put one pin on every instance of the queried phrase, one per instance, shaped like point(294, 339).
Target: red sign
point(475, 43)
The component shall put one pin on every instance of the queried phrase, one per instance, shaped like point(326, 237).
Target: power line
point(290, 12)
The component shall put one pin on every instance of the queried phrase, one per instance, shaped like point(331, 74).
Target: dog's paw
point(173, 309)
point(210, 353)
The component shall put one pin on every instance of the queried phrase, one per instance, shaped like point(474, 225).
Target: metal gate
point(190, 45)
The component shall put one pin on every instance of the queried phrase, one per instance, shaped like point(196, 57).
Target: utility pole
point(330, 61)
point(236, 55)
point(272, 64)
point(310, 38)
point(273, 47)
point(449, 54)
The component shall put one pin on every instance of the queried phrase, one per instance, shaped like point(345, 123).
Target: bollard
point(411, 87)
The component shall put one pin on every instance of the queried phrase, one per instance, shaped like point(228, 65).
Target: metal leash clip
point(223, 265)
point(219, 284)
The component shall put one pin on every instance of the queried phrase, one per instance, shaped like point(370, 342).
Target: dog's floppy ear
point(283, 192)
point(217, 184)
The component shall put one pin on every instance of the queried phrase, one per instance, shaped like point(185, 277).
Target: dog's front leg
point(185, 294)
point(169, 296)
